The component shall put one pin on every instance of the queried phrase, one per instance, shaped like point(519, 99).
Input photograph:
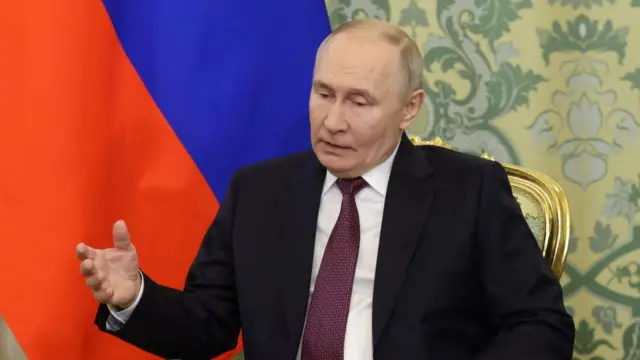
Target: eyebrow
point(352, 91)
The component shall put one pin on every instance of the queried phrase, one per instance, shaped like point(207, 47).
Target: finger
point(97, 281)
point(94, 283)
point(87, 267)
point(104, 296)
point(121, 239)
point(84, 251)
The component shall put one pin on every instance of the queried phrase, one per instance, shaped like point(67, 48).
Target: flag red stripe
point(82, 144)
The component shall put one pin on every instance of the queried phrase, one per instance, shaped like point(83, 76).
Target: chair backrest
point(544, 205)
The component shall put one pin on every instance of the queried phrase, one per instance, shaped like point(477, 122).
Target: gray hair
point(410, 57)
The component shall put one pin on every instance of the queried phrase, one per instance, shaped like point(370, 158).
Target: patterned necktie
point(329, 309)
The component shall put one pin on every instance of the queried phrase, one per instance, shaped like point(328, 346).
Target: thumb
point(121, 238)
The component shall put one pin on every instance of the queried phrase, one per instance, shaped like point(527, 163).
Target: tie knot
point(350, 187)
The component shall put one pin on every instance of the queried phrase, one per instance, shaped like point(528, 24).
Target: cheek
point(318, 111)
point(318, 105)
point(366, 127)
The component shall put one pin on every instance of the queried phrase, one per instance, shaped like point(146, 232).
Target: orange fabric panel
point(82, 144)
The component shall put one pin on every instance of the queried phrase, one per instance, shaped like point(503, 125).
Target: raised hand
point(112, 274)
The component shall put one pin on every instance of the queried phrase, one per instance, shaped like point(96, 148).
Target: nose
point(335, 120)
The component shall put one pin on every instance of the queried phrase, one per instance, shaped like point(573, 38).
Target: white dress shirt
point(358, 342)
point(370, 204)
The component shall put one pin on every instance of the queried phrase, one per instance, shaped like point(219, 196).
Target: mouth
point(334, 147)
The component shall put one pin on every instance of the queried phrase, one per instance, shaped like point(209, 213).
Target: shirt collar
point(377, 178)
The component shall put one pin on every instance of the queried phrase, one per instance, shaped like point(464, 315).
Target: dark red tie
point(326, 325)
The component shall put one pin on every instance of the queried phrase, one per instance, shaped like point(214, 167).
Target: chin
point(335, 164)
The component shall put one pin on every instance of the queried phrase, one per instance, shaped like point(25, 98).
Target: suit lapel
point(299, 221)
point(409, 196)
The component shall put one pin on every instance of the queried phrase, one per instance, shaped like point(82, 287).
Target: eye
point(323, 93)
point(359, 102)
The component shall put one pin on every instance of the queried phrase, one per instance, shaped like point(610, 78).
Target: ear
point(412, 108)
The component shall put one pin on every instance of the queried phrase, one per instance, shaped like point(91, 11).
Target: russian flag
point(140, 110)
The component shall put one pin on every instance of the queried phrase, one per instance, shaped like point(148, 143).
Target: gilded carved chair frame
point(548, 194)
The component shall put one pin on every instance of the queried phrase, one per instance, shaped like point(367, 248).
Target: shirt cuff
point(124, 315)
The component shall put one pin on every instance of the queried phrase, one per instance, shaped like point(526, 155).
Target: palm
point(121, 272)
point(112, 274)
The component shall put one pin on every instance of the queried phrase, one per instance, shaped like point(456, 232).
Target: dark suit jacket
point(459, 274)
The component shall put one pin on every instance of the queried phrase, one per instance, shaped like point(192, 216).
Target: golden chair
point(543, 204)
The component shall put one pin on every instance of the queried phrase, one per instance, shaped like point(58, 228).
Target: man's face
point(356, 108)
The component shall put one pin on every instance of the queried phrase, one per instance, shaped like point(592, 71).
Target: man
point(364, 248)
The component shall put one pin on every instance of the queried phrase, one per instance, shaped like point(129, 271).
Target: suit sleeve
point(203, 320)
point(524, 298)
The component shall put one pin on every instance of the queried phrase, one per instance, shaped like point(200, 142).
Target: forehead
point(357, 61)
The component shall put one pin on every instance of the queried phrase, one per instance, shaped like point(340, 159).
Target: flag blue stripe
point(231, 77)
